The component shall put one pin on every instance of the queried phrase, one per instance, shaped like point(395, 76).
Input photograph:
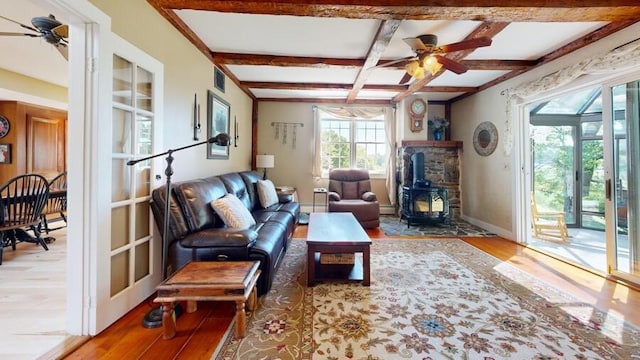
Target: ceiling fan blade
point(405, 79)
point(17, 34)
point(416, 44)
point(62, 31)
point(451, 65)
point(463, 45)
point(392, 62)
point(64, 51)
point(19, 23)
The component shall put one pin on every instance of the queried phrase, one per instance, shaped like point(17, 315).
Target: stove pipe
point(417, 162)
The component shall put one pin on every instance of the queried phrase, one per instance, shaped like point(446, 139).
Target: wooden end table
point(336, 233)
point(210, 281)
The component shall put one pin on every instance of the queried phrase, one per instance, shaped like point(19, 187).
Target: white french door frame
point(89, 29)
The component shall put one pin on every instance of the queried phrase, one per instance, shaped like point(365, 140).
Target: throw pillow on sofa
point(233, 212)
point(267, 193)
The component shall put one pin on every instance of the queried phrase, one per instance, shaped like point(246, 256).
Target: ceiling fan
point(428, 56)
point(47, 27)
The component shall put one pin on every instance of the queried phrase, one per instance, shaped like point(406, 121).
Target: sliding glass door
point(622, 187)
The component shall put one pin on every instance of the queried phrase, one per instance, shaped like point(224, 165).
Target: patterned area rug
point(392, 226)
point(456, 303)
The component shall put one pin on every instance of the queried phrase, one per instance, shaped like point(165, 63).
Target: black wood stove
point(421, 202)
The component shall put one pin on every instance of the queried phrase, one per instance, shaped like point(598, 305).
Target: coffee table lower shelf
point(332, 272)
point(358, 271)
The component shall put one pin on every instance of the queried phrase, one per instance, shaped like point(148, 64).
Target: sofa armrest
point(333, 196)
point(285, 198)
point(369, 196)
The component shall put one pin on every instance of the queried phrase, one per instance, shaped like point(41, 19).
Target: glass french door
point(129, 259)
point(622, 187)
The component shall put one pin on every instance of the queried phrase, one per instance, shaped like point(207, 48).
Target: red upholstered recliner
point(350, 191)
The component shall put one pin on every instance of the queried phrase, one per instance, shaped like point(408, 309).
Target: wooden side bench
point(210, 281)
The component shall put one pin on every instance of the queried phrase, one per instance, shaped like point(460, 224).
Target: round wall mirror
point(485, 138)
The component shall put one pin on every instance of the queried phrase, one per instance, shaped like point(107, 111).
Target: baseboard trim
point(494, 229)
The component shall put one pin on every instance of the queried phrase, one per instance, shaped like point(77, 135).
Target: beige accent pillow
point(233, 212)
point(267, 193)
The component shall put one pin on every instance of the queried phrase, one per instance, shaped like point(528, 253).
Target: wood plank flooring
point(199, 332)
point(33, 299)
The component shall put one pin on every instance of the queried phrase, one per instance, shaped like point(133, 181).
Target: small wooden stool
point(210, 281)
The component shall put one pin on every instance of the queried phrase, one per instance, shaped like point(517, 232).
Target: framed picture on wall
point(218, 119)
point(5, 153)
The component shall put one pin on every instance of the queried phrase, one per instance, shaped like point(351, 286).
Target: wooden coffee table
point(336, 233)
point(209, 281)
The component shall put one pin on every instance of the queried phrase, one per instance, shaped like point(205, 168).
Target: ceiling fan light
point(431, 64)
point(419, 73)
point(411, 67)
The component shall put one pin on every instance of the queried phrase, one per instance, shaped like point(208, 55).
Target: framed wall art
point(5, 153)
point(218, 121)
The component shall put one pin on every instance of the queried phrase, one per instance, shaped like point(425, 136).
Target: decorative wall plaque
point(485, 138)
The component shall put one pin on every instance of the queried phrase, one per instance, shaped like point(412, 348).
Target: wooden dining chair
point(56, 203)
point(21, 202)
point(548, 224)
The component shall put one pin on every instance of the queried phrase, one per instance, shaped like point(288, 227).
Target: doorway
point(582, 146)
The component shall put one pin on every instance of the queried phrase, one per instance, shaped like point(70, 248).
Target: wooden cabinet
point(38, 140)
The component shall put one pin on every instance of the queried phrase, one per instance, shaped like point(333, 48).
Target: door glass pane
point(553, 169)
point(593, 199)
point(120, 180)
point(142, 263)
point(121, 131)
point(122, 80)
point(142, 220)
point(144, 89)
point(119, 272)
point(119, 227)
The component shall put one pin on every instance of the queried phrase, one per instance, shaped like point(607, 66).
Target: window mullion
point(352, 162)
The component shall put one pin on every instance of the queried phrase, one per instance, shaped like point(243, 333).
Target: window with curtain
point(352, 139)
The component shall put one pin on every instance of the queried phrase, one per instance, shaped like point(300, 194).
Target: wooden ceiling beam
point(278, 60)
point(328, 101)
point(479, 10)
point(315, 62)
point(343, 87)
point(378, 46)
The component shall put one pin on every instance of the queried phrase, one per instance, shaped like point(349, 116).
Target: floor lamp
point(153, 318)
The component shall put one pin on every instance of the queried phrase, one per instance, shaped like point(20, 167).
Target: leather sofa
point(197, 233)
point(350, 191)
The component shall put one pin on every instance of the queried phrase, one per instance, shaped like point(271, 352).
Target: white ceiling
point(342, 38)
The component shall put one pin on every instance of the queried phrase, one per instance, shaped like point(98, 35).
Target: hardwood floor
point(33, 298)
point(199, 333)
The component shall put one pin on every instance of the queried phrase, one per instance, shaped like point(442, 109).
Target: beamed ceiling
point(332, 51)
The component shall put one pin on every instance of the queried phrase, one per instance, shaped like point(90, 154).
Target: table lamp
point(265, 162)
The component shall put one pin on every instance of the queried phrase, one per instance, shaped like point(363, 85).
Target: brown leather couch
point(198, 234)
point(350, 191)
